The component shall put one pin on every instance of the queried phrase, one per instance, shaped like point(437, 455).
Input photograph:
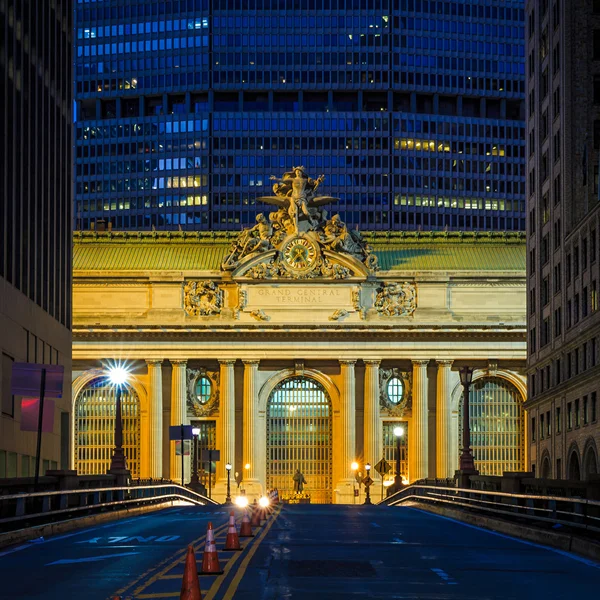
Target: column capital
point(227, 361)
point(178, 361)
point(444, 362)
point(348, 362)
point(372, 362)
point(154, 362)
point(251, 362)
point(421, 362)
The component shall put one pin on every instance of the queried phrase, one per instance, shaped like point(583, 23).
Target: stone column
point(226, 427)
point(251, 455)
point(373, 450)
point(444, 467)
point(178, 415)
point(417, 435)
point(347, 439)
point(155, 403)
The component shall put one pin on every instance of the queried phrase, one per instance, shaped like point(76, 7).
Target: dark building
point(563, 225)
point(413, 110)
point(35, 216)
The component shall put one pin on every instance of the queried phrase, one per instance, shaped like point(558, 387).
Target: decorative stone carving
point(338, 314)
point(356, 303)
point(396, 299)
point(194, 407)
point(387, 407)
point(202, 298)
point(300, 233)
point(259, 315)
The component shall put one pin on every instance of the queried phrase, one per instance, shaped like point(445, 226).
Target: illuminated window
point(203, 389)
point(395, 390)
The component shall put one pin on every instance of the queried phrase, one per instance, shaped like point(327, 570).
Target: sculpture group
point(299, 213)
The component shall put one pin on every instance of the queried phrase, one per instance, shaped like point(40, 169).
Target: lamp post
point(368, 484)
point(398, 432)
point(228, 497)
point(466, 462)
point(195, 479)
point(118, 377)
point(354, 467)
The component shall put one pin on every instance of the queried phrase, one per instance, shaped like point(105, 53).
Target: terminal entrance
point(299, 437)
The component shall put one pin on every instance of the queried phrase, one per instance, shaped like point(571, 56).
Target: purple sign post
point(30, 379)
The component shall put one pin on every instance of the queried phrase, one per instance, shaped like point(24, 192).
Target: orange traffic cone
point(232, 542)
point(190, 586)
point(210, 558)
point(256, 515)
point(246, 528)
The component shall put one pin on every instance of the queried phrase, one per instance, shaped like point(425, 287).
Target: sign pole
point(182, 456)
point(210, 474)
point(38, 451)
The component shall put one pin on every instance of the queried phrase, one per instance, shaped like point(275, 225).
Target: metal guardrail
point(572, 512)
point(16, 509)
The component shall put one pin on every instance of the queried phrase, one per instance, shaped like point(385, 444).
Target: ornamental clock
point(300, 254)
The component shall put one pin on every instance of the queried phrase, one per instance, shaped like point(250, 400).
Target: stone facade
point(339, 332)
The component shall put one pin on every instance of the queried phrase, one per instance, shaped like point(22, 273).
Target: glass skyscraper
point(413, 110)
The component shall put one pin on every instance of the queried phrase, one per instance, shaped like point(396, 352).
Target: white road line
point(70, 561)
point(375, 525)
point(443, 575)
point(398, 541)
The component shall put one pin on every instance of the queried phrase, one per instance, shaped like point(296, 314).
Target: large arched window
point(95, 426)
point(299, 437)
point(497, 426)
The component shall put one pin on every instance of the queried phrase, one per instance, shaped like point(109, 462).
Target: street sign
point(180, 432)
point(210, 455)
point(27, 380)
point(367, 481)
point(383, 467)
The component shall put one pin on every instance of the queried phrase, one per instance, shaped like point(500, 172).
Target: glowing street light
point(195, 479)
point(398, 432)
point(228, 497)
point(118, 377)
point(354, 467)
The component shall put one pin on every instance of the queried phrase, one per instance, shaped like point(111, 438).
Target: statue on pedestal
point(299, 482)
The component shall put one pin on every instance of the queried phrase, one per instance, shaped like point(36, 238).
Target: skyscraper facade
point(563, 203)
point(35, 217)
point(413, 109)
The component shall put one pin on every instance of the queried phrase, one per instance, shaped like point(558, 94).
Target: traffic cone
point(256, 515)
point(232, 542)
point(210, 558)
point(190, 586)
point(246, 528)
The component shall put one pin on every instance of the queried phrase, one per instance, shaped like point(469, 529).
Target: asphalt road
point(314, 552)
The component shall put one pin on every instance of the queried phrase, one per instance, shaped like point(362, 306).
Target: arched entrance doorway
point(299, 437)
point(95, 426)
point(497, 426)
point(574, 472)
point(590, 463)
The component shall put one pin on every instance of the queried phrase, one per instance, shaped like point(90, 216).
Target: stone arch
point(546, 466)
point(573, 463)
point(90, 375)
point(510, 376)
point(590, 459)
point(334, 396)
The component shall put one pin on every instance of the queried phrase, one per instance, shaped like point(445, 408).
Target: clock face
point(300, 254)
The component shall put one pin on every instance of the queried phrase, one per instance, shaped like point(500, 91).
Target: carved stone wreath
point(202, 298)
point(195, 408)
point(387, 407)
point(396, 299)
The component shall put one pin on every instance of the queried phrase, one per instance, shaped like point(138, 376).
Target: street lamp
point(354, 467)
point(368, 484)
point(118, 377)
point(228, 497)
point(195, 479)
point(466, 462)
point(398, 432)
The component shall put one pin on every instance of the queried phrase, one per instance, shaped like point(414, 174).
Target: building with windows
point(35, 217)
point(300, 343)
point(563, 126)
point(414, 109)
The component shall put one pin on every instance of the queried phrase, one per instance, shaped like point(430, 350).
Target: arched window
point(590, 462)
point(299, 437)
point(95, 426)
point(497, 426)
point(574, 471)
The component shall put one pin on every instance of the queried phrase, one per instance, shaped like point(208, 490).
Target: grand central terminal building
point(299, 344)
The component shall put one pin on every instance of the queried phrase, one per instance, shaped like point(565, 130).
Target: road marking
point(398, 541)
point(233, 586)
point(70, 561)
point(375, 525)
point(443, 575)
